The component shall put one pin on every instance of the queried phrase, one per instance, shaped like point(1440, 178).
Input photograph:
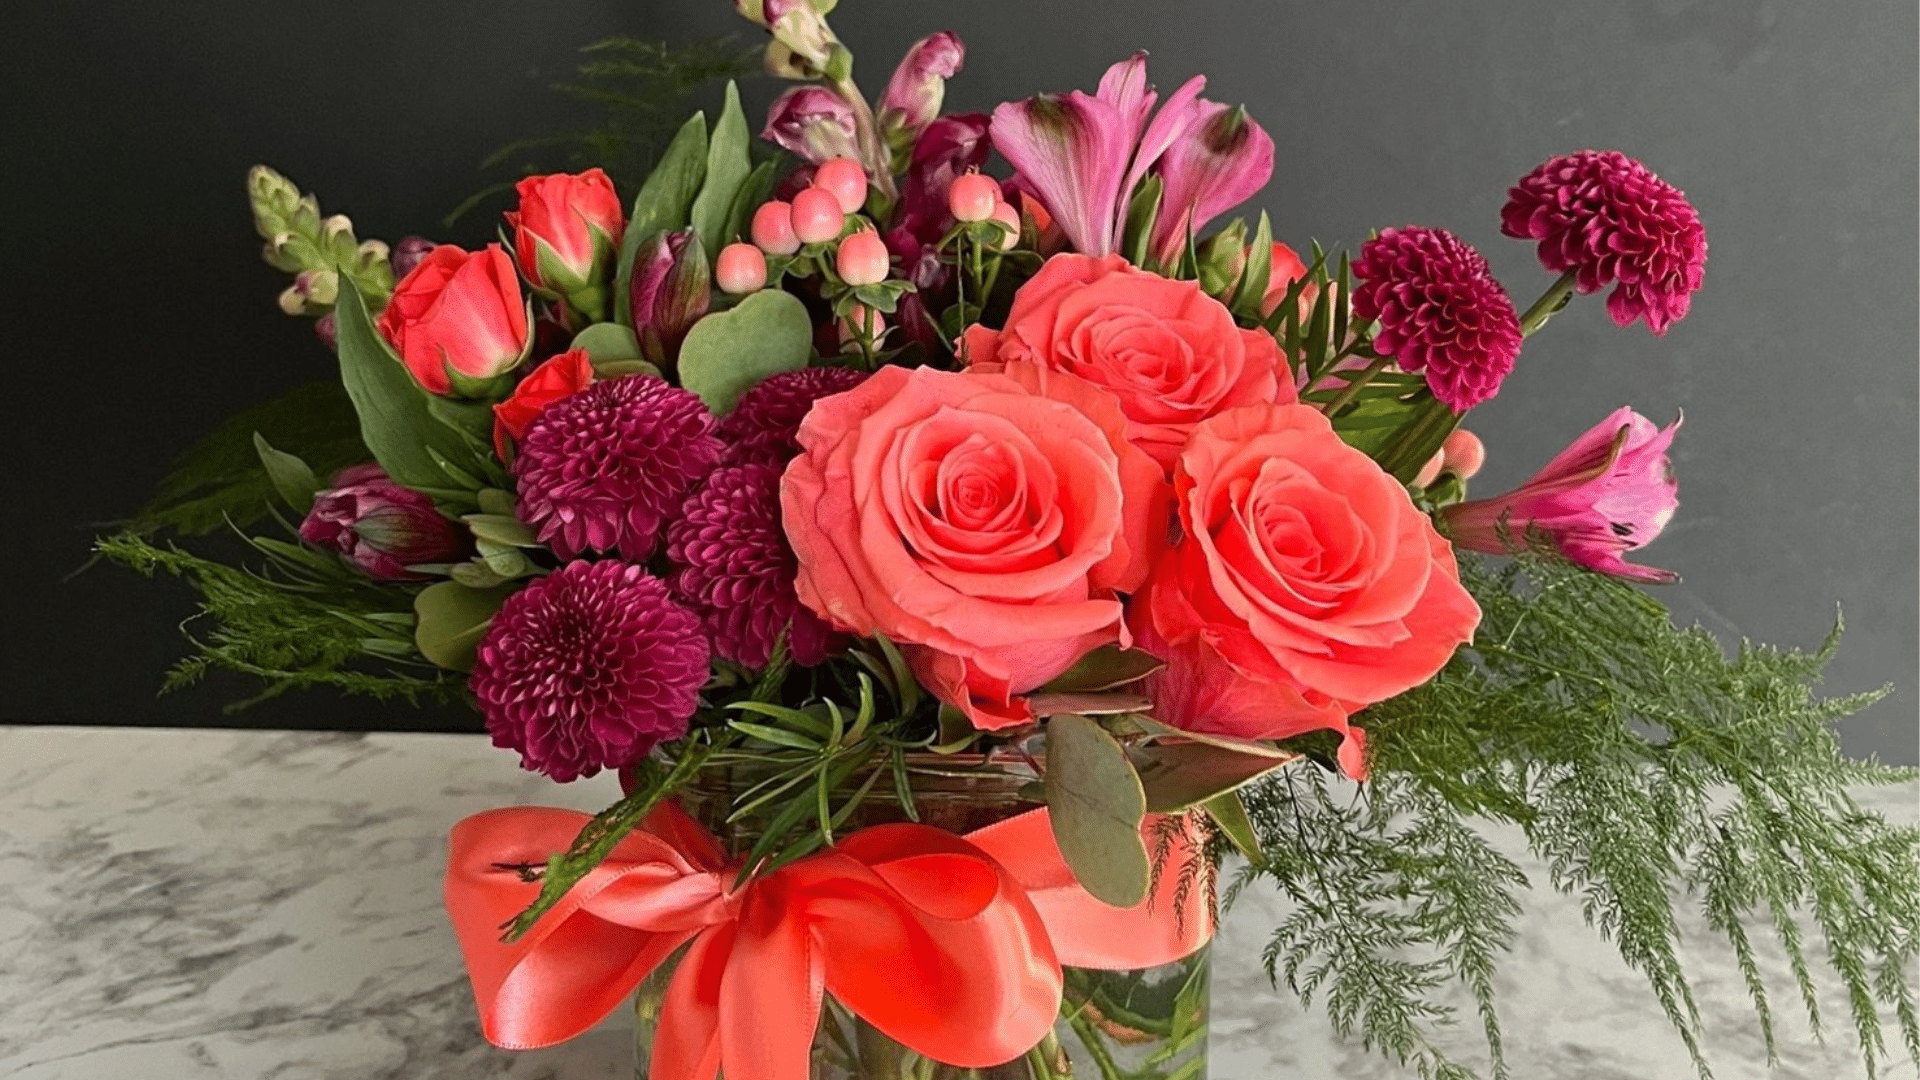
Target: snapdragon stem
point(1549, 302)
point(1340, 400)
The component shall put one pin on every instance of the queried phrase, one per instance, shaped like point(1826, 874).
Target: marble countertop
point(209, 903)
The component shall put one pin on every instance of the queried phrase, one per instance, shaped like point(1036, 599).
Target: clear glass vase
point(1149, 1024)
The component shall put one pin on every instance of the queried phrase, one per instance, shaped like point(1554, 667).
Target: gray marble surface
point(196, 904)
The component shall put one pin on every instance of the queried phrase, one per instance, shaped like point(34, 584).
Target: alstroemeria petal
point(1072, 150)
point(1222, 161)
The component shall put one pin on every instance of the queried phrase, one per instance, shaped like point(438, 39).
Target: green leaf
point(220, 480)
point(502, 529)
point(727, 352)
point(1096, 803)
point(1105, 668)
point(607, 341)
point(727, 169)
point(1229, 814)
point(1259, 273)
point(1165, 732)
point(1137, 239)
point(495, 501)
point(290, 476)
point(1177, 776)
point(395, 421)
point(752, 193)
point(451, 619)
point(1090, 703)
point(663, 202)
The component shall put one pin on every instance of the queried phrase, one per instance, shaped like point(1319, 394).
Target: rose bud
point(862, 259)
point(671, 290)
point(814, 123)
point(557, 376)
point(1611, 491)
point(458, 318)
point(817, 216)
point(740, 269)
point(973, 197)
point(566, 233)
point(846, 179)
point(772, 228)
point(381, 527)
point(913, 96)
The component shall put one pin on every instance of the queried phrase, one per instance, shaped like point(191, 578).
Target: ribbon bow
point(950, 945)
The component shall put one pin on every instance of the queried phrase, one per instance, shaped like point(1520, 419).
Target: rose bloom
point(982, 525)
point(567, 229)
point(1170, 353)
point(460, 311)
point(1303, 569)
point(557, 376)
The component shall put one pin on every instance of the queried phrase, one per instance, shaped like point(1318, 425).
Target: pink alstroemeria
point(1223, 161)
point(1608, 493)
point(1082, 155)
point(813, 122)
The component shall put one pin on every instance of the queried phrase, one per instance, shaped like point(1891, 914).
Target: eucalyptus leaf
point(606, 342)
point(1167, 732)
point(1090, 704)
point(728, 167)
point(662, 203)
point(727, 352)
point(450, 620)
point(1105, 668)
point(1096, 804)
point(502, 529)
point(291, 477)
point(495, 501)
point(1178, 776)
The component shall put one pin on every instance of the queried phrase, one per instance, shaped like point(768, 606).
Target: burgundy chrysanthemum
point(735, 567)
point(1608, 218)
point(1440, 311)
point(606, 468)
point(589, 668)
point(762, 425)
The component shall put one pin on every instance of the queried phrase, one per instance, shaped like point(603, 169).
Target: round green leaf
point(1096, 804)
point(450, 619)
point(727, 352)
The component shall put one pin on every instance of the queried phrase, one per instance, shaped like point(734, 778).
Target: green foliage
point(1644, 766)
point(727, 352)
point(303, 620)
point(220, 480)
point(639, 91)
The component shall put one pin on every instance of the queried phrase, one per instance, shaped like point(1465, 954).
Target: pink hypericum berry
point(973, 197)
point(846, 179)
point(740, 269)
point(1005, 214)
point(862, 259)
point(1431, 470)
point(817, 215)
point(861, 315)
point(773, 228)
point(1465, 453)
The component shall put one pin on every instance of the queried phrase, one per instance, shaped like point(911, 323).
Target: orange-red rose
point(1170, 353)
point(566, 230)
point(1305, 583)
point(983, 526)
point(460, 312)
point(557, 377)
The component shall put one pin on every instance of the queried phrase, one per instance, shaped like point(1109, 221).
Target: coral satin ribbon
point(950, 945)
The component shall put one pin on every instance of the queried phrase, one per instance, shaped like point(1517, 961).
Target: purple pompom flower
point(1608, 218)
point(605, 468)
point(735, 567)
point(762, 425)
point(1440, 311)
point(589, 668)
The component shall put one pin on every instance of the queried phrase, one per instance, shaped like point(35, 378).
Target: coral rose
point(460, 314)
point(1170, 353)
point(1303, 565)
point(980, 525)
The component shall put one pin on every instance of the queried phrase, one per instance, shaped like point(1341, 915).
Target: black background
point(139, 315)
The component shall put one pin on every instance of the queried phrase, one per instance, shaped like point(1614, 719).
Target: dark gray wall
point(141, 318)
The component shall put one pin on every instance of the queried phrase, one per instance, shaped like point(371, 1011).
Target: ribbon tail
point(686, 1040)
point(770, 1001)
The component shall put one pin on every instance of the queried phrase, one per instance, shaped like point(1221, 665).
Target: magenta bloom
point(1440, 311)
point(589, 668)
point(735, 567)
point(761, 427)
point(1613, 490)
point(381, 527)
point(1082, 155)
point(603, 469)
point(1608, 218)
point(814, 123)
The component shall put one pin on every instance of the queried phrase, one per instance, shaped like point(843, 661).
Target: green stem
point(1360, 380)
point(1550, 301)
point(867, 136)
point(1102, 1058)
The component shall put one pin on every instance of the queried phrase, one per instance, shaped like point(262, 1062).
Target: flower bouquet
point(960, 560)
